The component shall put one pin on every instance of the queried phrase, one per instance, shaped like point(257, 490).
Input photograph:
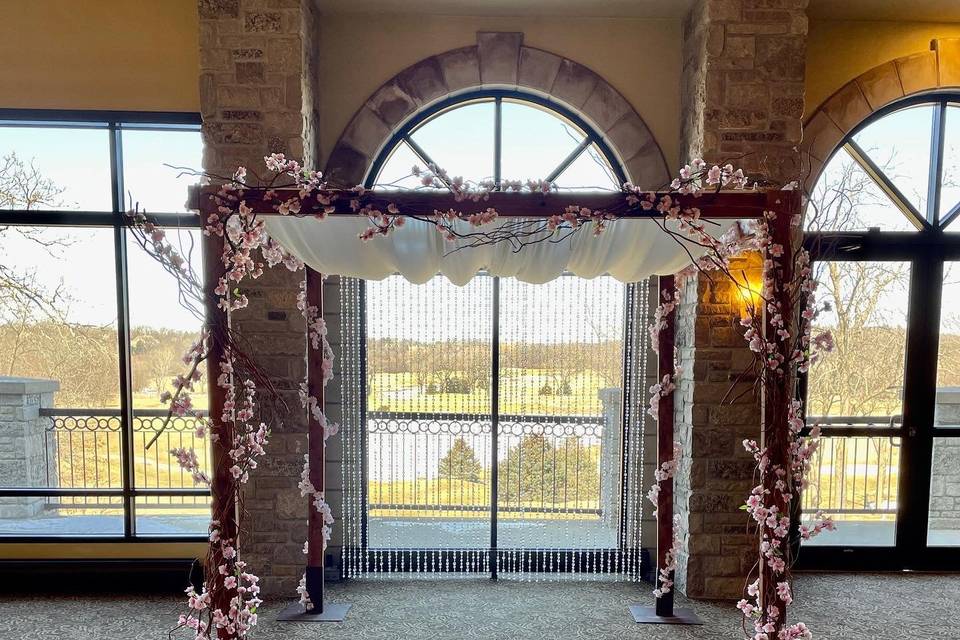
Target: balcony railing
point(424, 465)
point(82, 449)
point(854, 474)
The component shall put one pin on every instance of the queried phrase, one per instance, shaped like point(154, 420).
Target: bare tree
point(864, 376)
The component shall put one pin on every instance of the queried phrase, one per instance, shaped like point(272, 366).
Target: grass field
point(520, 392)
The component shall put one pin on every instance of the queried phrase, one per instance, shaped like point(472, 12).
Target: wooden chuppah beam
point(712, 205)
point(663, 611)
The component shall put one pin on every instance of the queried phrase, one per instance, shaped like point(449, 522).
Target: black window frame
point(497, 96)
point(115, 123)
point(926, 249)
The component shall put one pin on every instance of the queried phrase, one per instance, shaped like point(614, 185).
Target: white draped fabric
point(629, 250)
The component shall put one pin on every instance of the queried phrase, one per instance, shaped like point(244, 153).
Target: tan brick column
point(257, 94)
point(742, 100)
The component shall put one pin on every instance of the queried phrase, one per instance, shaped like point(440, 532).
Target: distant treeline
point(84, 359)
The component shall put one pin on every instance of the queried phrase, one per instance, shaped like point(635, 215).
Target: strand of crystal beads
point(642, 355)
point(349, 311)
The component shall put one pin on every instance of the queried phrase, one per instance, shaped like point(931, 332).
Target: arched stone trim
point(938, 68)
point(498, 60)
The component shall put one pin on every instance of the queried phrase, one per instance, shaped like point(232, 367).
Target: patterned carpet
point(848, 606)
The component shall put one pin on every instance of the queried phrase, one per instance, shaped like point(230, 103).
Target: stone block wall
point(945, 471)
point(743, 84)
point(24, 451)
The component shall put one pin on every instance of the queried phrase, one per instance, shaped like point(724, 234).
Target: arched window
point(499, 136)
point(881, 225)
point(897, 171)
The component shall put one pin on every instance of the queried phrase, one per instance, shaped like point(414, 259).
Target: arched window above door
point(524, 77)
point(899, 170)
point(497, 136)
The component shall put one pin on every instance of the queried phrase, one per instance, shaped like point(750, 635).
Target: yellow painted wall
point(839, 51)
point(641, 58)
point(138, 55)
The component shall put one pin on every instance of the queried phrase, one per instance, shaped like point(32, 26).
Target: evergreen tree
point(461, 463)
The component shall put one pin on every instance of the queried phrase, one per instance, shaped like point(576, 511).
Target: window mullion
point(497, 142)
point(886, 185)
point(569, 159)
point(123, 331)
point(417, 149)
point(935, 177)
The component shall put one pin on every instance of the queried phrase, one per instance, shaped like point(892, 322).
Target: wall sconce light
point(749, 292)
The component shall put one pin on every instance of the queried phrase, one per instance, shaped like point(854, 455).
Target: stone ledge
point(26, 386)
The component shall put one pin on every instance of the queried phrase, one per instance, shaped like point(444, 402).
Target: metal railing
point(854, 472)
point(439, 465)
point(83, 450)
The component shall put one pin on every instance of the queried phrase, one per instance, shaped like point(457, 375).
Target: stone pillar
point(611, 401)
point(742, 102)
point(743, 85)
point(25, 452)
point(258, 83)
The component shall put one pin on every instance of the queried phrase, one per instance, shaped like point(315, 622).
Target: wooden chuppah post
point(663, 611)
point(315, 448)
point(666, 366)
point(224, 503)
point(322, 611)
point(777, 391)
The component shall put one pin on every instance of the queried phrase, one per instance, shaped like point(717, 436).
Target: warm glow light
point(749, 291)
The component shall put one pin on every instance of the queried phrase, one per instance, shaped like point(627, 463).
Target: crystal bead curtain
point(418, 366)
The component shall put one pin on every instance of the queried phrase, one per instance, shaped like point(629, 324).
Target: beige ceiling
point(914, 10)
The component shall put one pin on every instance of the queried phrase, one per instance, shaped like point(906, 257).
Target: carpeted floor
point(847, 606)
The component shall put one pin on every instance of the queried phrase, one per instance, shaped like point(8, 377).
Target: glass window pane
point(847, 199)
point(58, 311)
point(589, 172)
point(162, 330)
point(460, 140)
point(58, 324)
point(944, 515)
point(55, 168)
point(146, 178)
point(900, 145)
point(61, 516)
point(172, 515)
point(534, 141)
point(863, 376)
point(950, 185)
point(948, 361)
point(854, 480)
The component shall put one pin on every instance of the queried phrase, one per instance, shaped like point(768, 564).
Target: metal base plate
point(332, 612)
point(648, 615)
